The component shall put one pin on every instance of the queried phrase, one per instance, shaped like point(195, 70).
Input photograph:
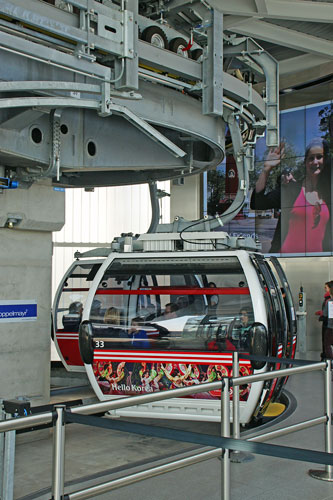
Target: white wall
point(311, 273)
point(94, 218)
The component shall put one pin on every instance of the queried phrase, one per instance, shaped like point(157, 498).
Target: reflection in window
point(292, 213)
point(73, 297)
point(207, 309)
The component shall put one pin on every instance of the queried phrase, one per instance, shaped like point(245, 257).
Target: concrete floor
point(96, 455)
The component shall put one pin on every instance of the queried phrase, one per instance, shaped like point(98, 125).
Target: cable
point(200, 221)
point(198, 242)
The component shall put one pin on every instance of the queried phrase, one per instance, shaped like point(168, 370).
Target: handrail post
point(58, 476)
point(8, 466)
point(225, 431)
point(2, 446)
point(237, 456)
point(327, 474)
point(328, 404)
point(235, 397)
point(7, 459)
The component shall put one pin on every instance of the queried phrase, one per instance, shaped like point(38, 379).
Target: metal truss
point(86, 101)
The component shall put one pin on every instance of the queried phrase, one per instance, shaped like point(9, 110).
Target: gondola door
point(290, 308)
point(69, 304)
point(278, 329)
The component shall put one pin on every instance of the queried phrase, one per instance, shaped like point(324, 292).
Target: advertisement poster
point(289, 207)
point(137, 378)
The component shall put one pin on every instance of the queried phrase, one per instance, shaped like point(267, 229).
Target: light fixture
point(287, 91)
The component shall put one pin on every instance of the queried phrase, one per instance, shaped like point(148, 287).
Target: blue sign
point(17, 310)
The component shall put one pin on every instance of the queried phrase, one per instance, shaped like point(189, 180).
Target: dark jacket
point(272, 199)
point(322, 318)
point(325, 314)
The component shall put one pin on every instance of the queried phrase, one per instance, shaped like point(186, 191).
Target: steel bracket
point(251, 49)
point(212, 91)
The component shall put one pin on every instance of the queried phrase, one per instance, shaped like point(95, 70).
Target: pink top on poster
point(307, 225)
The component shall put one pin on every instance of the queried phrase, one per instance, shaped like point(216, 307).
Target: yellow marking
point(274, 410)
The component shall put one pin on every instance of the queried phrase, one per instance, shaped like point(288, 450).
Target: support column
point(27, 219)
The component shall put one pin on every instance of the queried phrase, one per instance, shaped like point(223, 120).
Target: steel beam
point(296, 10)
point(161, 136)
point(276, 34)
point(212, 91)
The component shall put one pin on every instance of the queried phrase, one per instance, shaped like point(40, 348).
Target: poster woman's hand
point(274, 157)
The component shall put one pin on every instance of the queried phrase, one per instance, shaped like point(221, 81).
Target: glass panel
point(73, 297)
point(266, 287)
point(292, 132)
point(209, 309)
point(291, 185)
point(289, 305)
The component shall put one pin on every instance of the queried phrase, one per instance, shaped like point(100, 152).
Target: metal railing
point(221, 446)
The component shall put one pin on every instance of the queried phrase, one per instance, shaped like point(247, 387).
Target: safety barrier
point(221, 446)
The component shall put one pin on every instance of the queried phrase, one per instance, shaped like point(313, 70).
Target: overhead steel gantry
point(104, 93)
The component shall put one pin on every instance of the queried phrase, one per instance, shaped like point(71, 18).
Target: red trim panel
point(69, 347)
point(175, 291)
point(204, 358)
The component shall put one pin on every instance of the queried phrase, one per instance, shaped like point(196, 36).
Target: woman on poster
point(303, 224)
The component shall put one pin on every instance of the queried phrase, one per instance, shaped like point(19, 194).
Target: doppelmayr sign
point(17, 310)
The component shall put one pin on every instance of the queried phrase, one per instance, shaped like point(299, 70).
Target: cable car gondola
point(159, 319)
